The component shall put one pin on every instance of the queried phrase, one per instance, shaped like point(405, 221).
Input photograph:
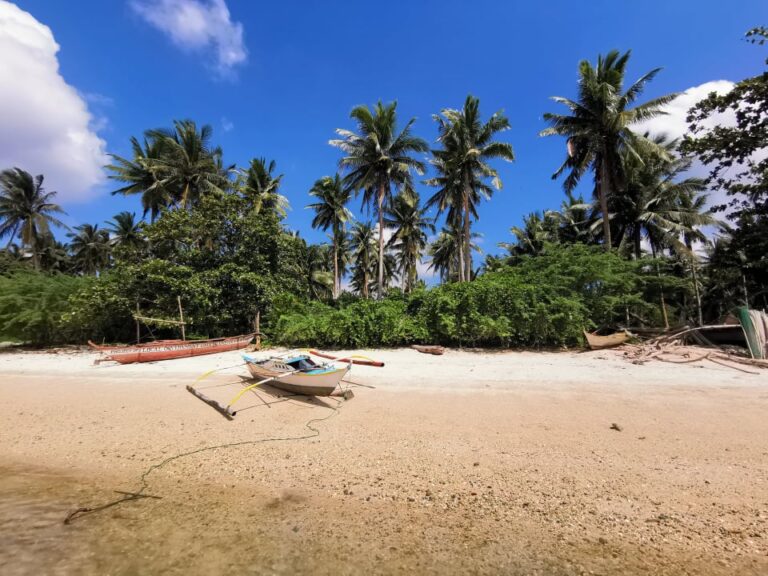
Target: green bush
point(541, 301)
point(33, 305)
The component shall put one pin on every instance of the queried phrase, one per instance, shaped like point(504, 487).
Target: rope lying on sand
point(672, 348)
point(144, 482)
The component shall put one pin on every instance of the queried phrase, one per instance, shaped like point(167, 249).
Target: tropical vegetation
point(645, 246)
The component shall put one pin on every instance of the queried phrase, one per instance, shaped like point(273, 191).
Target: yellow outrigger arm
point(227, 410)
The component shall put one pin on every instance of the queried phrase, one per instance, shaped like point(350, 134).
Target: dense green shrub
point(541, 301)
point(354, 325)
point(33, 305)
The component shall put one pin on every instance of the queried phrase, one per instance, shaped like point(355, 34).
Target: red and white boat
point(171, 349)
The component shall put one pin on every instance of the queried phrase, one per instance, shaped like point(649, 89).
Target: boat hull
point(597, 342)
point(300, 383)
point(172, 350)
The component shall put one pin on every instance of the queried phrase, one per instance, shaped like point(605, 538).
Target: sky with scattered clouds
point(77, 79)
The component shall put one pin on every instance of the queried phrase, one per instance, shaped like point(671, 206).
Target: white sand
point(471, 462)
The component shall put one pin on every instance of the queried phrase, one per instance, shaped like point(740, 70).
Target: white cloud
point(674, 125)
point(226, 124)
point(45, 125)
point(197, 25)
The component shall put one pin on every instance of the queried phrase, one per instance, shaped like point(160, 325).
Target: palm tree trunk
point(335, 269)
point(31, 241)
point(382, 191)
point(661, 291)
point(467, 239)
point(460, 256)
point(638, 244)
point(604, 189)
point(696, 291)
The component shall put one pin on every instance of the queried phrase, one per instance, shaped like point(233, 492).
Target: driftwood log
point(435, 350)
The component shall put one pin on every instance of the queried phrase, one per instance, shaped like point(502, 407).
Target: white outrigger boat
point(293, 372)
point(296, 372)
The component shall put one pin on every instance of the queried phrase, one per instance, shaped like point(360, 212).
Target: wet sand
point(482, 463)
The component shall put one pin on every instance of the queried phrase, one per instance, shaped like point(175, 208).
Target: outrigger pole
point(227, 410)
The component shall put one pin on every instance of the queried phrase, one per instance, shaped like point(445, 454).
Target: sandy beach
point(471, 462)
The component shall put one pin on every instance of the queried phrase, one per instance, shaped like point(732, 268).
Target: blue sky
point(301, 67)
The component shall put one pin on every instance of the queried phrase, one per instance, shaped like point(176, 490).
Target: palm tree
point(536, 233)
point(140, 174)
point(657, 205)
point(388, 276)
point(363, 256)
point(445, 253)
point(187, 166)
point(125, 230)
point(331, 212)
point(90, 248)
point(494, 263)
point(575, 220)
point(378, 158)
point(409, 240)
point(463, 168)
point(261, 188)
point(598, 127)
point(54, 255)
point(320, 279)
point(26, 209)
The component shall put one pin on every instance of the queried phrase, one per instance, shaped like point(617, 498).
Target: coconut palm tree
point(320, 279)
point(363, 256)
point(532, 238)
point(575, 220)
point(140, 174)
point(494, 263)
point(125, 230)
point(388, 277)
point(90, 248)
point(445, 253)
point(378, 159)
point(26, 209)
point(331, 212)
point(599, 127)
point(186, 164)
point(411, 225)
point(54, 255)
point(657, 205)
point(261, 188)
point(463, 170)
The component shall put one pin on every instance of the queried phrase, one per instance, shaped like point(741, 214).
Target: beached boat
point(170, 349)
point(297, 373)
point(597, 342)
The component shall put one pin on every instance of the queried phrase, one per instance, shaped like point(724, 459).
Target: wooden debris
point(671, 348)
point(436, 350)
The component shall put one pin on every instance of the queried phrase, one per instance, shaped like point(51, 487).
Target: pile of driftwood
point(672, 348)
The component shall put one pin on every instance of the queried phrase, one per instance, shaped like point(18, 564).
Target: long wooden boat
point(171, 349)
point(296, 373)
point(597, 342)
